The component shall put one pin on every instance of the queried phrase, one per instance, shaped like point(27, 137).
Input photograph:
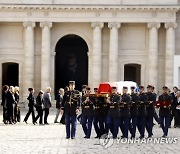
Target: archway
point(10, 74)
point(71, 61)
point(132, 72)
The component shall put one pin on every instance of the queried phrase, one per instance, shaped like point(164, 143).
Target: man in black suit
point(173, 106)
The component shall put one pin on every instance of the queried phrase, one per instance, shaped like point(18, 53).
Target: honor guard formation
point(119, 114)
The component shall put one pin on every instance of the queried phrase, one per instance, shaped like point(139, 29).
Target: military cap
point(114, 87)
point(149, 86)
point(84, 86)
point(164, 87)
point(72, 82)
point(95, 88)
point(133, 87)
point(88, 88)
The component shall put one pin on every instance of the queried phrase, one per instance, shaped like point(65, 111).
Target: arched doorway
point(10, 74)
point(71, 61)
point(132, 72)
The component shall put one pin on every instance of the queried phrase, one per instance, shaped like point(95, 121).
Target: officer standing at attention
point(71, 103)
point(151, 99)
point(133, 112)
point(113, 113)
point(164, 112)
point(124, 113)
point(87, 112)
point(141, 112)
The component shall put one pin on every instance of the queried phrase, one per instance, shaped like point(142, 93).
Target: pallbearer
point(98, 115)
point(87, 112)
point(70, 104)
point(141, 111)
point(151, 99)
point(133, 112)
point(124, 113)
point(164, 113)
point(113, 113)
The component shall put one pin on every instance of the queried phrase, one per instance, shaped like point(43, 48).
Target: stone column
point(29, 57)
point(153, 53)
point(113, 51)
point(46, 55)
point(169, 55)
point(97, 47)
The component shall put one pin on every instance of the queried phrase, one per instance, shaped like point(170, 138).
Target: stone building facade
point(107, 40)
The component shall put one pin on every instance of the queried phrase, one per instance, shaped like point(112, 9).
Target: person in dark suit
point(87, 112)
point(173, 106)
point(70, 105)
point(124, 113)
point(31, 106)
point(151, 99)
point(113, 112)
point(47, 104)
point(4, 103)
point(39, 107)
point(16, 109)
point(141, 111)
point(164, 112)
point(133, 112)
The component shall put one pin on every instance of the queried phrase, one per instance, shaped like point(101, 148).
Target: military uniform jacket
point(133, 105)
point(124, 108)
point(164, 111)
point(88, 107)
point(141, 104)
point(98, 106)
point(114, 106)
point(31, 100)
point(151, 99)
point(71, 102)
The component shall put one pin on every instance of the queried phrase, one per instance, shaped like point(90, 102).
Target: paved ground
point(27, 138)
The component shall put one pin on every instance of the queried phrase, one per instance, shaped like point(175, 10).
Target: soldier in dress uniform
point(87, 112)
point(164, 112)
point(141, 111)
point(98, 115)
point(70, 104)
point(124, 113)
point(133, 112)
point(113, 112)
point(151, 99)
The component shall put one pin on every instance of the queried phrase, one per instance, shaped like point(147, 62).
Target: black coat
point(141, 104)
point(16, 95)
point(151, 99)
point(71, 102)
point(4, 99)
point(31, 100)
point(124, 108)
point(87, 107)
point(59, 101)
point(39, 102)
point(114, 106)
point(133, 105)
point(164, 111)
point(174, 101)
point(10, 99)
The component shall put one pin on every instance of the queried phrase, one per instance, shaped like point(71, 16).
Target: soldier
point(113, 113)
point(124, 113)
point(98, 115)
point(87, 112)
point(155, 113)
point(141, 112)
point(133, 112)
point(164, 112)
point(70, 105)
point(151, 99)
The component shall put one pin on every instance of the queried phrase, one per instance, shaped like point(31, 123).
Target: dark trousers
point(173, 115)
point(99, 125)
point(132, 126)
point(10, 113)
point(31, 110)
point(149, 125)
point(87, 125)
point(141, 125)
point(164, 122)
point(73, 120)
point(46, 110)
point(113, 125)
point(39, 116)
point(124, 126)
point(5, 114)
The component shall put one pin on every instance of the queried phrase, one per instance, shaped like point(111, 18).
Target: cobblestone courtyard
point(50, 139)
